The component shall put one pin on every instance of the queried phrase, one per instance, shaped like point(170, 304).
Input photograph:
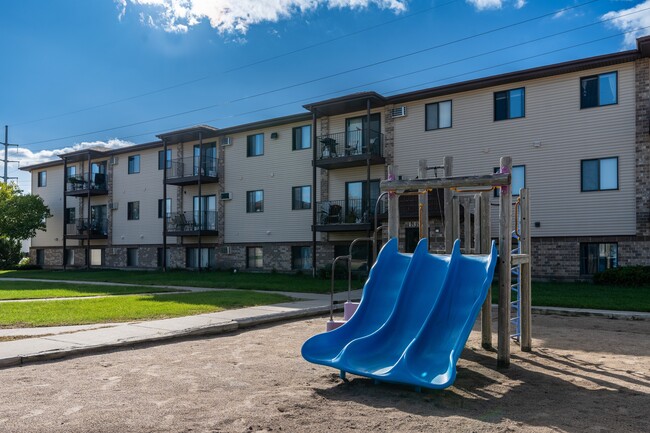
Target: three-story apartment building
point(292, 192)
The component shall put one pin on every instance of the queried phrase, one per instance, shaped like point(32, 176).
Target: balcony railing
point(192, 222)
point(191, 168)
point(84, 227)
point(354, 211)
point(351, 143)
point(95, 183)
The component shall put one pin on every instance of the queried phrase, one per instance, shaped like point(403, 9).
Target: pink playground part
point(349, 308)
point(333, 324)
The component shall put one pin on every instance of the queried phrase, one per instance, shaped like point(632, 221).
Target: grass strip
point(127, 308)
point(11, 290)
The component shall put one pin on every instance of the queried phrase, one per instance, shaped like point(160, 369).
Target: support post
point(447, 163)
point(467, 235)
point(393, 206)
point(165, 215)
point(455, 217)
point(314, 125)
point(477, 224)
point(505, 247)
point(201, 221)
point(484, 243)
point(65, 211)
point(525, 302)
point(423, 202)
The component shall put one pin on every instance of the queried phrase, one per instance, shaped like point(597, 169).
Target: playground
point(583, 375)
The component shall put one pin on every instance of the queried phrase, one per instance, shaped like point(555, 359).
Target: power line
point(315, 79)
point(241, 67)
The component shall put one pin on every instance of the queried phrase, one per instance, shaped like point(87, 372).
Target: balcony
point(189, 171)
point(86, 184)
point(81, 228)
point(192, 224)
point(349, 149)
point(346, 215)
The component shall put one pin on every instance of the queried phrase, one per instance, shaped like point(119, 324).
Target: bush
point(9, 253)
point(624, 276)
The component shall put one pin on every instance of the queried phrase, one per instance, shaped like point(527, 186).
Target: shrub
point(9, 253)
point(624, 276)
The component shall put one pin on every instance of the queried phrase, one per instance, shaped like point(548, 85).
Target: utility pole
point(6, 161)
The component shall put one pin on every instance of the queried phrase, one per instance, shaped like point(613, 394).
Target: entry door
point(98, 219)
point(209, 159)
point(412, 237)
point(207, 217)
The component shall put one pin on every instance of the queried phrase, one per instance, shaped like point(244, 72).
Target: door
point(98, 175)
point(209, 160)
point(356, 202)
point(205, 216)
point(355, 136)
point(99, 220)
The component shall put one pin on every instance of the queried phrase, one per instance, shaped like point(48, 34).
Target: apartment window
point(509, 104)
point(518, 178)
point(598, 90)
point(196, 258)
point(301, 137)
point(438, 115)
point(71, 172)
point(96, 258)
point(596, 257)
point(133, 210)
point(301, 197)
point(254, 201)
point(70, 215)
point(255, 145)
point(132, 257)
point(159, 257)
point(254, 258)
point(134, 164)
point(599, 174)
point(69, 257)
point(40, 257)
point(164, 209)
point(164, 159)
point(42, 178)
point(300, 258)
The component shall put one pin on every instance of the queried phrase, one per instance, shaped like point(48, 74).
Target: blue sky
point(74, 72)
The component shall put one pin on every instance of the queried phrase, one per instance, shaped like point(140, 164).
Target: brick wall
point(643, 147)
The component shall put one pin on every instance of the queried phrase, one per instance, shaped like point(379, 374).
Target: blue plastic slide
point(421, 341)
point(377, 302)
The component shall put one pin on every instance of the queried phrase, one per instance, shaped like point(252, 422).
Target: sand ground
point(584, 375)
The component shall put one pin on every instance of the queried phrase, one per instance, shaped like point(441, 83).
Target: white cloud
point(520, 4)
point(236, 16)
point(27, 157)
point(635, 20)
point(486, 4)
point(121, 6)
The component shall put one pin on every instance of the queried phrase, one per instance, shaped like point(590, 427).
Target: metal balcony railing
point(92, 181)
point(84, 226)
point(192, 166)
point(353, 211)
point(351, 143)
point(192, 221)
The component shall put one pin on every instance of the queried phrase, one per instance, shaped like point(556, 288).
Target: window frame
point(249, 154)
point(293, 137)
point(250, 206)
point(133, 211)
point(296, 253)
point(255, 257)
point(597, 76)
point(164, 161)
point(584, 246)
point(66, 215)
point(42, 179)
point(582, 162)
point(133, 160)
point(293, 197)
point(508, 114)
point(497, 190)
point(129, 258)
point(426, 116)
point(168, 208)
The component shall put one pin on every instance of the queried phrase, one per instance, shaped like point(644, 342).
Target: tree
point(21, 215)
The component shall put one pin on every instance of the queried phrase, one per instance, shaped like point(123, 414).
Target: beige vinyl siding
point(52, 195)
point(550, 141)
point(275, 172)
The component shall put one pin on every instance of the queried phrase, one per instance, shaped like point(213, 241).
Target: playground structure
point(454, 288)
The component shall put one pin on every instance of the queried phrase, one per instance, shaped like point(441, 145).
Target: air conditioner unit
point(114, 160)
point(226, 141)
point(113, 206)
point(225, 250)
point(398, 112)
point(226, 196)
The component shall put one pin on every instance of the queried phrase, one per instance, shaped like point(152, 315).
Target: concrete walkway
point(61, 341)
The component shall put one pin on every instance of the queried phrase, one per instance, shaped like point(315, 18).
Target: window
point(356, 201)
point(69, 257)
point(206, 219)
point(42, 178)
point(595, 257)
point(300, 258)
point(254, 258)
point(167, 208)
point(40, 257)
point(72, 171)
point(159, 257)
point(518, 179)
point(438, 115)
point(132, 257)
point(70, 215)
point(164, 160)
point(254, 201)
point(598, 90)
point(134, 164)
point(509, 104)
point(301, 137)
point(96, 257)
point(133, 210)
point(203, 258)
point(255, 145)
point(599, 174)
point(301, 197)
point(355, 135)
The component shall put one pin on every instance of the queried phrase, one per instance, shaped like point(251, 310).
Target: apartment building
point(266, 195)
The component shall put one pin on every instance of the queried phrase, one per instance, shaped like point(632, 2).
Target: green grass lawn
point(35, 290)
point(127, 308)
point(216, 279)
point(588, 295)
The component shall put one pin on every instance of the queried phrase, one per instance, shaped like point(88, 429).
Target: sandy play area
point(584, 375)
